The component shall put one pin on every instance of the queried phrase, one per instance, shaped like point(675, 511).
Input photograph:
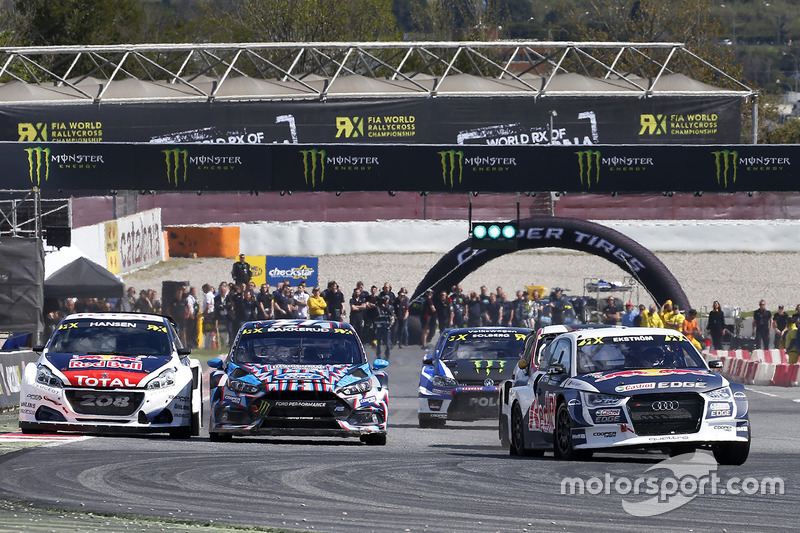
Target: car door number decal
point(104, 400)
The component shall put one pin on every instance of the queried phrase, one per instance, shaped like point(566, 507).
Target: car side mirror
point(716, 363)
point(378, 364)
point(556, 369)
point(215, 362)
point(523, 364)
point(184, 351)
point(427, 359)
point(39, 348)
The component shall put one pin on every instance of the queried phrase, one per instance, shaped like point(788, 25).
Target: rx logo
point(32, 132)
point(38, 164)
point(452, 166)
point(350, 127)
point(177, 162)
point(588, 167)
point(653, 125)
point(313, 166)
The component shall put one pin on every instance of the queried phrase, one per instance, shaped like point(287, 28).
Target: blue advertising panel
point(295, 269)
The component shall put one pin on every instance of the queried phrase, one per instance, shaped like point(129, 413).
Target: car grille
point(665, 414)
point(305, 406)
point(104, 402)
point(473, 405)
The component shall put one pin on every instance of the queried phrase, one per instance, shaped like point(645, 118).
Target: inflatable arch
point(571, 233)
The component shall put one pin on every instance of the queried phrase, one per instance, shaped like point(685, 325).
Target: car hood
point(650, 380)
point(302, 377)
point(477, 370)
point(106, 370)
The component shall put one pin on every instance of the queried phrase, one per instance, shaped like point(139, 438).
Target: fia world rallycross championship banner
point(368, 167)
point(493, 121)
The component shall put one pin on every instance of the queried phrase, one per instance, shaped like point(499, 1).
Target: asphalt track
point(452, 479)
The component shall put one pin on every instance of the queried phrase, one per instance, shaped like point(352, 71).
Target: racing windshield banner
point(484, 121)
point(374, 167)
point(295, 269)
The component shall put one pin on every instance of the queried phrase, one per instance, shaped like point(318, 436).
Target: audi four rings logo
point(665, 405)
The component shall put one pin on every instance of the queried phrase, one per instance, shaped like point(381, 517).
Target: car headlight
point(46, 377)
point(240, 386)
point(164, 380)
point(357, 388)
point(602, 400)
point(444, 381)
point(720, 394)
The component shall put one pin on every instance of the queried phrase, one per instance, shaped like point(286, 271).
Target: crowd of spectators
point(380, 316)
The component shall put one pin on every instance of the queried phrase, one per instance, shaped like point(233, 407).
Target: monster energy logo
point(177, 161)
point(313, 166)
point(38, 162)
point(489, 365)
point(262, 408)
point(452, 163)
point(727, 165)
point(589, 167)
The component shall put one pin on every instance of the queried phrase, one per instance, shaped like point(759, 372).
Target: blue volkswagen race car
point(298, 377)
point(617, 388)
point(459, 380)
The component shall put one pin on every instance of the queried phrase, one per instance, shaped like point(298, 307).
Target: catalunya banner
point(94, 167)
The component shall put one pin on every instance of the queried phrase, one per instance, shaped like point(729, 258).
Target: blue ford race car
point(613, 388)
point(298, 377)
point(459, 380)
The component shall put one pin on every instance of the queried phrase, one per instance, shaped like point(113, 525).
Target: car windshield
point(636, 352)
point(298, 348)
point(123, 337)
point(505, 345)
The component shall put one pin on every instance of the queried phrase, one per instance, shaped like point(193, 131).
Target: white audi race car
point(112, 373)
point(616, 388)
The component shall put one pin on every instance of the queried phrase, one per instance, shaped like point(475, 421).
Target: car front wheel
point(563, 445)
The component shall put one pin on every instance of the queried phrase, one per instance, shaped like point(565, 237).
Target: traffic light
point(494, 235)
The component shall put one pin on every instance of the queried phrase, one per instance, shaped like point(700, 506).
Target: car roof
point(621, 331)
point(487, 328)
point(298, 322)
point(117, 316)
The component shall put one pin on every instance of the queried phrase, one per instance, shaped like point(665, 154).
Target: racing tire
point(732, 453)
point(562, 437)
point(431, 423)
point(374, 439)
point(517, 442)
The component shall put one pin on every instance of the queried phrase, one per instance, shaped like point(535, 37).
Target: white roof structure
point(333, 71)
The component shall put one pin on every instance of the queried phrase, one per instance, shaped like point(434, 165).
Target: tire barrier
point(569, 233)
point(757, 367)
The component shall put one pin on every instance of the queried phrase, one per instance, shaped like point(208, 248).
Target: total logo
point(91, 381)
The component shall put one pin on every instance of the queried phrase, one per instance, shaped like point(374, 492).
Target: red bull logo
point(117, 362)
point(650, 372)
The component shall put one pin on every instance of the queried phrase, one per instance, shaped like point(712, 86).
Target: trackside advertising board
point(295, 269)
point(373, 167)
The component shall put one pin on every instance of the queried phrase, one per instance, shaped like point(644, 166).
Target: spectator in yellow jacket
point(316, 305)
point(792, 340)
point(651, 318)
